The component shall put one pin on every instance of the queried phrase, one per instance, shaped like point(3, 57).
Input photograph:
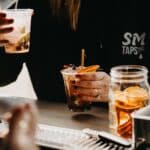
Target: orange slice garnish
point(91, 68)
point(137, 93)
point(128, 107)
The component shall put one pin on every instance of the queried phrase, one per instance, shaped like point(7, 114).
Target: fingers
point(18, 114)
point(23, 119)
point(6, 30)
point(92, 76)
point(3, 31)
point(99, 98)
point(32, 119)
point(87, 91)
point(22, 125)
point(5, 21)
point(92, 86)
point(92, 80)
point(2, 15)
point(4, 41)
point(85, 94)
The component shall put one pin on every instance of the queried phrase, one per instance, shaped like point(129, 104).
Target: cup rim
point(122, 71)
point(67, 73)
point(20, 10)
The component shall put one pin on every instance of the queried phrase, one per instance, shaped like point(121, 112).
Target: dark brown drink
point(73, 102)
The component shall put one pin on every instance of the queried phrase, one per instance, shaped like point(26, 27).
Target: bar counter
point(57, 114)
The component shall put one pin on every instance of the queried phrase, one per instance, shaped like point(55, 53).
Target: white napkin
point(22, 87)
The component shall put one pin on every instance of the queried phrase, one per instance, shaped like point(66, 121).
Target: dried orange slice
point(136, 93)
point(120, 96)
point(91, 68)
point(128, 107)
point(125, 130)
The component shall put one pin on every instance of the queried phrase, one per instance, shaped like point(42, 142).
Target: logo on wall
point(133, 44)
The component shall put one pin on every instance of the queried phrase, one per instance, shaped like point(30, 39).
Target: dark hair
point(72, 7)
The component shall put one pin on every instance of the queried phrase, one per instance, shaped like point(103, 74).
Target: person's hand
point(4, 30)
point(92, 86)
point(22, 128)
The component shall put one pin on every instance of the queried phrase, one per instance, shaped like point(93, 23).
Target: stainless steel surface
point(71, 139)
point(109, 137)
point(141, 127)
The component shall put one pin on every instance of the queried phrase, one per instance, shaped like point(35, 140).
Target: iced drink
point(126, 102)
point(69, 75)
point(19, 39)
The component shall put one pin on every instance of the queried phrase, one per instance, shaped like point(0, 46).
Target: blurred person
point(22, 128)
point(54, 36)
point(61, 28)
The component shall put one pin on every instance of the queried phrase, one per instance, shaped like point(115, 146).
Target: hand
point(3, 30)
point(22, 128)
point(92, 86)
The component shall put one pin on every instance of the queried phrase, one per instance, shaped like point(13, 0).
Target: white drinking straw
point(16, 4)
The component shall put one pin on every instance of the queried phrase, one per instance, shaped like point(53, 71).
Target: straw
point(16, 5)
point(82, 56)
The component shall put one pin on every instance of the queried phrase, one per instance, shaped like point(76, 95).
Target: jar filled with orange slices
point(129, 91)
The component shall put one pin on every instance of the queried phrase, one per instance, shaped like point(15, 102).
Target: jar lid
point(129, 71)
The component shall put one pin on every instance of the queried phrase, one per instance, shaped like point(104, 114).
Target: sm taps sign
point(133, 44)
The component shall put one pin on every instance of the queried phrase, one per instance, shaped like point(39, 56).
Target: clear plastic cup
point(19, 38)
point(73, 101)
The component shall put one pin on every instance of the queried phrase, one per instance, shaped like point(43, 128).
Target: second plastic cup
point(73, 102)
point(19, 38)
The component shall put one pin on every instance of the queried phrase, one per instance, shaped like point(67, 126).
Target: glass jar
point(129, 91)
